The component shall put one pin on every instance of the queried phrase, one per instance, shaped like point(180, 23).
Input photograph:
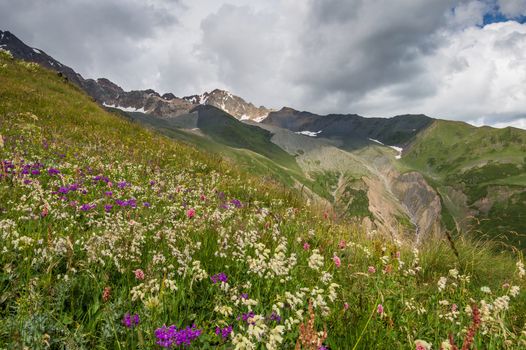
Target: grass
point(100, 217)
point(479, 162)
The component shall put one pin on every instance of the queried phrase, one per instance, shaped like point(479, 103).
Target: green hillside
point(116, 237)
point(483, 169)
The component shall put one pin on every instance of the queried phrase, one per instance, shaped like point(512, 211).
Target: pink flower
point(371, 269)
point(306, 246)
point(139, 274)
point(346, 306)
point(380, 309)
point(190, 213)
point(454, 307)
point(342, 244)
point(337, 261)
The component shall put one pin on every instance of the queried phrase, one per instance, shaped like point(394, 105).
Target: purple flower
point(224, 332)
point(169, 336)
point(108, 208)
point(122, 184)
point(53, 171)
point(130, 321)
point(63, 190)
point(275, 317)
point(87, 206)
point(247, 317)
point(244, 296)
point(108, 193)
point(152, 182)
point(236, 203)
point(220, 277)
point(146, 204)
point(35, 172)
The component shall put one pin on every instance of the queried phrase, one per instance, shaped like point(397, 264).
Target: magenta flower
point(190, 213)
point(139, 274)
point(380, 309)
point(337, 261)
point(306, 246)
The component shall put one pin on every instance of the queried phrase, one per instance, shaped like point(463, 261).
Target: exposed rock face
point(233, 105)
point(421, 200)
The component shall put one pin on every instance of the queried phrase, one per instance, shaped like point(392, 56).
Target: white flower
point(520, 268)
point(485, 289)
point(315, 260)
point(514, 291)
point(453, 273)
point(442, 283)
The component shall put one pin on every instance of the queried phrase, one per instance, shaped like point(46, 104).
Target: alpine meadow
point(139, 220)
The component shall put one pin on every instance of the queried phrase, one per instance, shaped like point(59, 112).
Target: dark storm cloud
point(85, 34)
point(375, 44)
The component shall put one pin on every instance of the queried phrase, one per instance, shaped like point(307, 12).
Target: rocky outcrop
point(421, 201)
point(233, 105)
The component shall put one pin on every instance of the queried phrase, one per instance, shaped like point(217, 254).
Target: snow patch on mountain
point(309, 133)
point(125, 109)
point(398, 149)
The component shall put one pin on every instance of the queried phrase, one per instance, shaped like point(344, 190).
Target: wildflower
point(275, 317)
point(108, 193)
point(485, 289)
point(130, 321)
point(53, 171)
point(220, 277)
point(337, 261)
point(422, 345)
point(306, 246)
point(236, 203)
point(146, 204)
point(520, 269)
point(190, 213)
point(169, 336)
point(139, 274)
point(442, 283)
point(514, 291)
point(87, 207)
point(224, 332)
point(342, 244)
point(106, 294)
point(108, 208)
point(122, 184)
point(346, 306)
point(371, 269)
point(244, 296)
point(475, 324)
point(380, 309)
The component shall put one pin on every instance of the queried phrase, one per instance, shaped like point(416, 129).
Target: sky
point(452, 59)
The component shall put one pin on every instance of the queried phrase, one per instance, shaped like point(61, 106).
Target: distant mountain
point(351, 128)
point(148, 101)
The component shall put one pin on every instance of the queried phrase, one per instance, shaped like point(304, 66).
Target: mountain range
point(410, 176)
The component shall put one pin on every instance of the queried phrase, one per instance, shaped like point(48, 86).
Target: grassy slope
point(57, 259)
point(476, 162)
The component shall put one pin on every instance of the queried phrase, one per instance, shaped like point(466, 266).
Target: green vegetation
point(102, 219)
point(486, 165)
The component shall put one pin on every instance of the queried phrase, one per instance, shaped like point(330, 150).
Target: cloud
point(512, 8)
point(375, 58)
